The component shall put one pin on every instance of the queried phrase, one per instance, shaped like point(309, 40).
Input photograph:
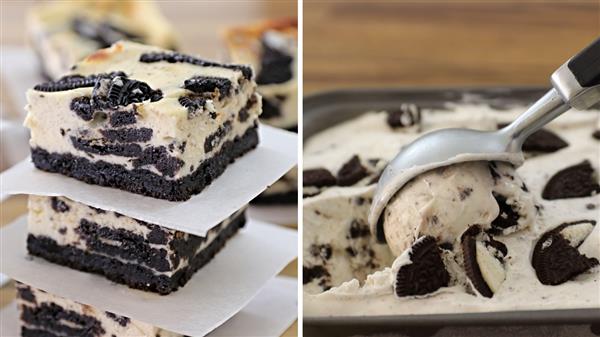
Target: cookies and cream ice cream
point(445, 201)
point(485, 264)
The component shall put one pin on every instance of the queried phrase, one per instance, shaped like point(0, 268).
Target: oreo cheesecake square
point(125, 250)
point(145, 120)
point(46, 314)
point(64, 32)
point(271, 48)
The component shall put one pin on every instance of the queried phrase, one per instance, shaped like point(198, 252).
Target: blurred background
point(199, 27)
point(442, 43)
point(199, 24)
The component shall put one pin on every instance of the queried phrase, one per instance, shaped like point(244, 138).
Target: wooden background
point(441, 43)
point(199, 23)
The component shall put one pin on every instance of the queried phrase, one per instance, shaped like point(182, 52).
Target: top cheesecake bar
point(64, 32)
point(144, 120)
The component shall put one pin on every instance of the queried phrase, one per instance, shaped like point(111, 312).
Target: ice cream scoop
point(576, 84)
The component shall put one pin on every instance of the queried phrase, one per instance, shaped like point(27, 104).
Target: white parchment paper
point(212, 296)
point(240, 183)
point(269, 314)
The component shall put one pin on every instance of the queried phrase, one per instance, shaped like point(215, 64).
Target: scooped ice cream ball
point(444, 202)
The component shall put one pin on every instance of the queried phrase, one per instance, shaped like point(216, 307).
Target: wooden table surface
point(200, 24)
point(441, 43)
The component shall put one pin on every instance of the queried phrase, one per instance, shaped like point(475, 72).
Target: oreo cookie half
point(424, 272)
point(318, 177)
point(483, 259)
point(542, 141)
point(351, 172)
point(575, 181)
point(556, 259)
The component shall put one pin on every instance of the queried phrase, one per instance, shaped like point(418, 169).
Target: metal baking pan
point(324, 110)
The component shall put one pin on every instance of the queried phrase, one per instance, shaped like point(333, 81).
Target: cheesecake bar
point(45, 314)
point(145, 120)
point(271, 48)
point(470, 237)
point(64, 32)
point(123, 249)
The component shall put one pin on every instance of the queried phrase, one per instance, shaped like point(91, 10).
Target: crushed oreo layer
point(127, 135)
point(158, 156)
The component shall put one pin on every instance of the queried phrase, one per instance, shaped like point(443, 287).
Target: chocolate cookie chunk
point(313, 272)
point(507, 216)
point(483, 260)
point(555, 256)
point(575, 181)
point(208, 84)
point(351, 172)
point(596, 134)
point(318, 177)
point(425, 274)
point(543, 141)
point(407, 115)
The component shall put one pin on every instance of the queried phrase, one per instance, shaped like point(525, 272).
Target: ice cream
point(498, 261)
point(442, 203)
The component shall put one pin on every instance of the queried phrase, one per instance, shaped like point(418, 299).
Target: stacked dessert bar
point(144, 120)
point(271, 48)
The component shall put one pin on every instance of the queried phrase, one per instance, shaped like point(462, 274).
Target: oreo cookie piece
point(318, 177)
point(208, 84)
point(112, 92)
point(556, 259)
point(507, 217)
point(70, 82)
point(542, 141)
point(351, 172)
point(596, 134)
point(483, 260)
point(424, 272)
point(575, 181)
point(407, 115)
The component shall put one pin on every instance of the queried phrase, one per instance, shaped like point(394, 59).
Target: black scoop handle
point(586, 65)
